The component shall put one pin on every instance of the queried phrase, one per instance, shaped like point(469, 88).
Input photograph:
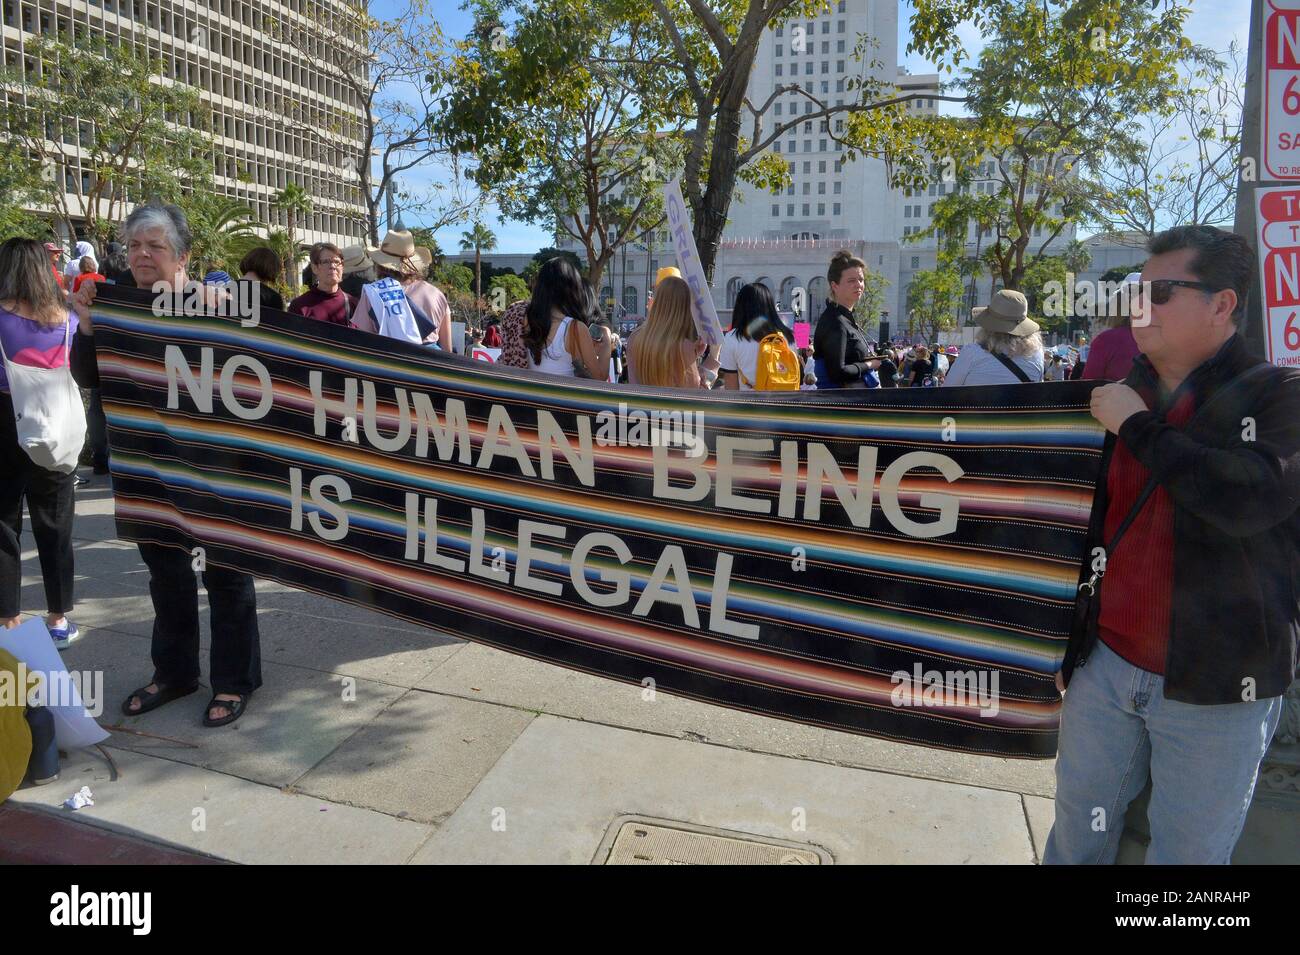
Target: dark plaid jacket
point(1233, 473)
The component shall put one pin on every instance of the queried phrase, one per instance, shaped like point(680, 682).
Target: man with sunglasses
point(1182, 652)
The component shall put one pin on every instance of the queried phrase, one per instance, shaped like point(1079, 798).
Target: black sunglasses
point(1162, 290)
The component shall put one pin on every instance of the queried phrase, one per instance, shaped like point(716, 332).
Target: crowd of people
point(1200, 601)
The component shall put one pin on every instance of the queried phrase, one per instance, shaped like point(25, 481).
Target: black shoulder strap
point(1012, 367)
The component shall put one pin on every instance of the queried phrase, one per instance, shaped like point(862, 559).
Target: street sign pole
point(1250, 169)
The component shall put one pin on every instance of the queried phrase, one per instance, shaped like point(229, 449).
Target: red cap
point(51, 247)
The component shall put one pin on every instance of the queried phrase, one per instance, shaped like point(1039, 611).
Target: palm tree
point(481, 239)
point(220, 226)
point(295, 201)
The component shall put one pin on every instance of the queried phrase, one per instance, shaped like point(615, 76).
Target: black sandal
point(151, 701)
point(236, 708)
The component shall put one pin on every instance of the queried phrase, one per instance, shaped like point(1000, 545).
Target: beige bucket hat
point(1008, 313)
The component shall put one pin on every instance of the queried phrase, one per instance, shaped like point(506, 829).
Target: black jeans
point(49, 506)
point(236, 645)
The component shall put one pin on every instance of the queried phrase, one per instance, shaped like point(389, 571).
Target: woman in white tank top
point(553, 339)
point(556, 359)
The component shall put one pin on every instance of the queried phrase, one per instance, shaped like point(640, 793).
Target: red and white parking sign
point(1281, 101)
point(1278, 218)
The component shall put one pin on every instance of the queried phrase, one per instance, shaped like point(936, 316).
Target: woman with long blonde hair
point(665, 351)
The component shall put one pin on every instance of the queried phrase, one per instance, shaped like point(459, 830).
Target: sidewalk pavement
point(378, 741)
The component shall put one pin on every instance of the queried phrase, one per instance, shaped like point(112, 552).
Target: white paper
point(31, 643)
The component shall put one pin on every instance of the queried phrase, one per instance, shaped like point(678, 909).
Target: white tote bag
point(48, 413)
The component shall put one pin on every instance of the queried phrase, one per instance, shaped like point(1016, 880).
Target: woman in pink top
point(36, 329)
point(399, 257)
point(1112, 353)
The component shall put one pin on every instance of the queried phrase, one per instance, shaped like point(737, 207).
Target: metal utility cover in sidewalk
point(637, 840)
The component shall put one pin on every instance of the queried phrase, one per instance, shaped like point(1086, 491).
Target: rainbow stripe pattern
point(773, 577)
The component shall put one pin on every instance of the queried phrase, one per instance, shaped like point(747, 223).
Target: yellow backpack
point(778, 365)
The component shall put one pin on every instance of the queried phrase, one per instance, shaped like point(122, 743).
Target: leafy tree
point(506, 289)
point(139, 136)
point(544, 256)
point(295, 202)
point(932, 302)
point(1055, 93)
point(452, 275)
point(714, 46)
point(1183, 167)
point(1045, 271)
point(565, 122)
point(395, 68)
point(685, 65)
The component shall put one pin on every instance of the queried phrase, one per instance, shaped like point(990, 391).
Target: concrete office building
point(786, 241)
point(248, 80)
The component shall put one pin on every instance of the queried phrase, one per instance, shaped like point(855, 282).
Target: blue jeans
point(1116, 727)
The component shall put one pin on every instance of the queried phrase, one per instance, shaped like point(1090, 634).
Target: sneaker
point(66, 635)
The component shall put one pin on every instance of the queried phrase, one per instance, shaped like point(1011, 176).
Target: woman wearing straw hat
point(1007, 349)
point(399, 257)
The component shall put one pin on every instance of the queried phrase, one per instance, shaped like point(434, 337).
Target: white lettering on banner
point(381, 442)
point(316, 489)
point(670, 582)
point(200, 389)
point(265, 393)
point(322, 407)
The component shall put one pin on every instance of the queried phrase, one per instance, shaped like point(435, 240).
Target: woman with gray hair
point(158, 250)
point(1007, 348)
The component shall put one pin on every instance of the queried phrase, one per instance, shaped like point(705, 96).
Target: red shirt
point(86, 277)
point(332, 307)
point(1112, 354)
point(1137, 589)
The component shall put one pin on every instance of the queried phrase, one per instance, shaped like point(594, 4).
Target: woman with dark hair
point(844, 358)
point(753, 318)
point(114, 267)
point(35, 330)
point(556, 338)
point(158, 243)
point(262, 265)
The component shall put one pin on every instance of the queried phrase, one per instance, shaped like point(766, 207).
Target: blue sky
point(1212, 23)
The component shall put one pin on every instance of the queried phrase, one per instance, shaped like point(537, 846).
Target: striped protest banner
point(900, 563)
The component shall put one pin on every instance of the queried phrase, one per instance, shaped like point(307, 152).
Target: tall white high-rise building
point(829, 198)
point(248, 80)
point(786, 241)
